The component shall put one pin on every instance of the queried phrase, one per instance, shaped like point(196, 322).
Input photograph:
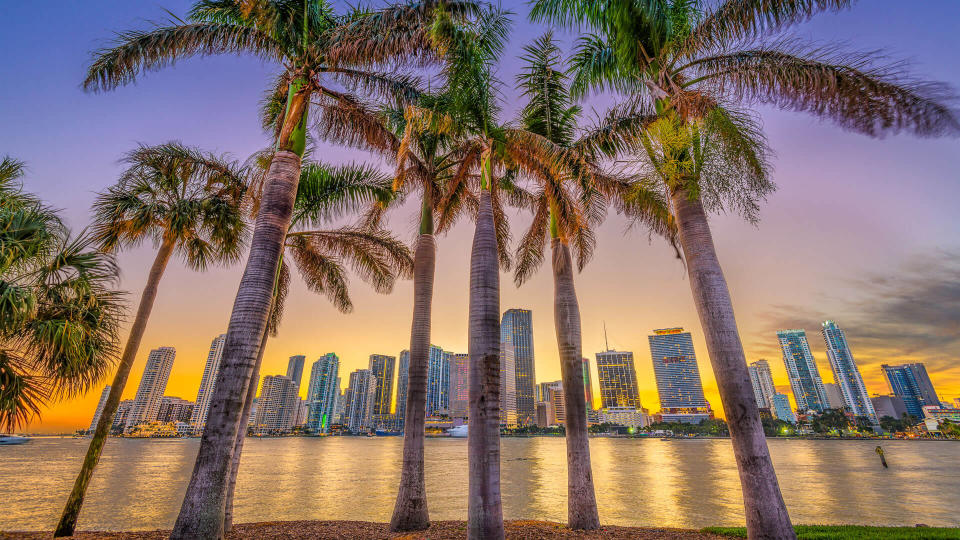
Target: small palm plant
point(683, 70)
point(326, 193)
point(59, 314)
point(185, 202)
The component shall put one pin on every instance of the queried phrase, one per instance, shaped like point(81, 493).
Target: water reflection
point(140, 483)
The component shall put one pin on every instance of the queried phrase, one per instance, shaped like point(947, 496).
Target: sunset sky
point(861, 231)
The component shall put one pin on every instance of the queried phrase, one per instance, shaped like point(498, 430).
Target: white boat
point(459, 431)
point(12, 439)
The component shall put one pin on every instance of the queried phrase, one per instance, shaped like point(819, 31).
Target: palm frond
point(531, 249)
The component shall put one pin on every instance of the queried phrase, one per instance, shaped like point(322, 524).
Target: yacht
point(458, 431)
point(12, 439)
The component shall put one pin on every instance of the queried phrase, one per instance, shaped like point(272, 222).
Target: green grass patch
point(854, 532)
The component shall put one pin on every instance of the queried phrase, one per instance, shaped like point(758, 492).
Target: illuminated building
point(174, 410)
point(625, 416)
point(278, 405)
point(678, 376)
point(322, 391)
point(911, 383)
point(802, 370)
point(210, 371)
point(382, 366)
point(438, 381)
point(360, 397)
point(618, 380)
point(762, 382)
point(295, 369)
point(845, 372)
point(153, 383)
point(508, 386)
point(459, 385)
point(516, 339)
point(780, 407)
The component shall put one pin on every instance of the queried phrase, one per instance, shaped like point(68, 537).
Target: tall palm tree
point(568, 201)
point(682, 69)
point(185, 202)
point(326, 193)
point(59, 314)
point(316, 47)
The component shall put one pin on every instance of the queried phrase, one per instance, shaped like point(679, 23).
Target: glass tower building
point(911, 383)
point(845, 372)
point(802, 370)
point(678, 376)
point(438, 381)
point(516, 338)
point(322, 392)
point(210, 371)
point(403, 372)
point(295, 369)
point(618, 379)
point(382, 367)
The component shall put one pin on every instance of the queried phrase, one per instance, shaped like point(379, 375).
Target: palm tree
point(326, 193)
point(184, 201)
point(682, 69)
point(565, 206)
point(316, 47)
point(59, 314)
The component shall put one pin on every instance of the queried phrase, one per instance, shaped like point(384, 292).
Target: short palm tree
point(682, 69)
point(185, 202)
point(567, 202)
point(319, 50)
point(326, 193)
point(59, 314)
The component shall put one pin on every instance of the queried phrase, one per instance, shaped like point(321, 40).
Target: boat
point(12, 439)
point(458, 431)
point(385, 433)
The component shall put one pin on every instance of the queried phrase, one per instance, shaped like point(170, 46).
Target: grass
point(853, 532)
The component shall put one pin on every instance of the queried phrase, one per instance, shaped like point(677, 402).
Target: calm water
point(140, 483)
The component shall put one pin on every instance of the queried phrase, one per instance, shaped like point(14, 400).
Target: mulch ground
point(439, 530)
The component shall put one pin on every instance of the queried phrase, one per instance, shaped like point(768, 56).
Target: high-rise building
point(153, 383)
point(587, 384)
point(123, 413)
point(382, 367)
point(845, 372)
point(553, 392)
point(892, 406)
point(295, 369)
point(780, 406)
point(678, 376)
point(545, 414)
point(802, 370)
point(618, 380)
point(174, 409)
point(516, 336)
point(438, 381)
point(210, 371)
point(625, 416)
point(834, 398)
point(322, 391)
point(100, 404)
point(911, 383)
point(508, 386)
point(403, 378)
point(762, 381)
point(459, 385)
point(360, 398)
point(278, 405)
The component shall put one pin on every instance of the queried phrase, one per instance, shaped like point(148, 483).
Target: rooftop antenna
point(606, 343)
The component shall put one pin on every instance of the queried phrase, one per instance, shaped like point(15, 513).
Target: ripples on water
point(679, 483)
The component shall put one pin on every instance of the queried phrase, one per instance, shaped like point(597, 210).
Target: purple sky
point(861, 231)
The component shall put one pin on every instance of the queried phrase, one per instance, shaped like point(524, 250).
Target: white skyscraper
point(508, 385)
point(100, 405)
point(762, 382)
point(210, 372)
point(146, 404)
point(360, 398)
point(845, 372)
point(278, 406)
point(802, 370)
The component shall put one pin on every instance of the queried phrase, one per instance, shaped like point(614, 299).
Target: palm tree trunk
point(581, 499)
point(241, 436)
point(202, 512)
point(71, 511)
point(765, 510)
point(485, 512)
point(410, 511)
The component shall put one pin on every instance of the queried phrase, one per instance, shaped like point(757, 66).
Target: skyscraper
point(153, 383)
point(587, 383)
point(845, 372)
point(552, 393)
point(322, 390)
point(911, 383)
point(403, 377)
point(211, 369)
point(762, 381)
point(508, 386)
point(618, 380)
point(834, 398)
point(360, 398)
point(459, 385)
point(382, 367)
point(174, 409)
point(438, 381)
point(516, 335)
point(123, 413)
point(802, 370)
point(780, 406)
point(278, 405)
point(295, 369)
point(678, 376)
point(100, 404)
